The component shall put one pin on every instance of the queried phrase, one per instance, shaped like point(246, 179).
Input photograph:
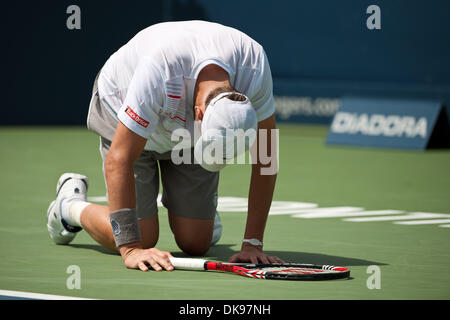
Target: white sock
point(72, 212)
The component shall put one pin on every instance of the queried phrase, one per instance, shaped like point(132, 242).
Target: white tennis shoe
point(70, 186)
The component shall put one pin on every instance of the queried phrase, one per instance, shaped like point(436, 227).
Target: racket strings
point(291, 270)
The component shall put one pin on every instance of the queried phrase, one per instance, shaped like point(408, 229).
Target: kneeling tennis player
point(191, 77)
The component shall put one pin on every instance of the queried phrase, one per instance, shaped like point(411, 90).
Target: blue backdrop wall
point(319, 51)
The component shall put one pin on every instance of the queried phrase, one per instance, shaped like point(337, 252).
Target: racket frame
point(319, 272)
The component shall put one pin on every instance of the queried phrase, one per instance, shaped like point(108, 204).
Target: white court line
point(344, 213)
point(318, 212)
point(308, 210)
point(39, 296)
point(290, 207)
point(234, 204)
point(97, 199)
point(411, 216)
point(415, 222)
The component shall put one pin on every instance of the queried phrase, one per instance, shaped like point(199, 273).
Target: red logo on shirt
point(133, 115)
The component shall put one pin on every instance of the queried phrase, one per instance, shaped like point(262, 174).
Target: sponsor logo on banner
point(393, 123)
point(288, 107)
point(379, 125)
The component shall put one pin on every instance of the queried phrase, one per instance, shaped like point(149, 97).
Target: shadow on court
point(223, 252)
point(95, 247)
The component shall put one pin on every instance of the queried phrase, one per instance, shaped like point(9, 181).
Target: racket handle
point(188, 263)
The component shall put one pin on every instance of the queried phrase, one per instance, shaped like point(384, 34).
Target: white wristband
point(253, 242)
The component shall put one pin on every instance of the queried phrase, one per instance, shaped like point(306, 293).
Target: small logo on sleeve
point(133, 115)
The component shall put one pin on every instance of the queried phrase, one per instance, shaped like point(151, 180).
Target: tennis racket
point(277, 271)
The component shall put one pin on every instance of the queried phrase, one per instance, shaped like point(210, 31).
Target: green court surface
point(413, 259)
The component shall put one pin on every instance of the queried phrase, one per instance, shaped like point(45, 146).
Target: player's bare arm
point(259, 202)
point(125, 148)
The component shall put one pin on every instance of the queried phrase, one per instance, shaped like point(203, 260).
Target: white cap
point(225, 126)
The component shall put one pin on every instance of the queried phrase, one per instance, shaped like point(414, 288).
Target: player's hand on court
point(136, 258)
point(253, 254)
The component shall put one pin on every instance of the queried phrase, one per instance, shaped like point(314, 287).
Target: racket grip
point(188, 263)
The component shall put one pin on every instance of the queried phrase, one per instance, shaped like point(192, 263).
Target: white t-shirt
point(148, 84)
